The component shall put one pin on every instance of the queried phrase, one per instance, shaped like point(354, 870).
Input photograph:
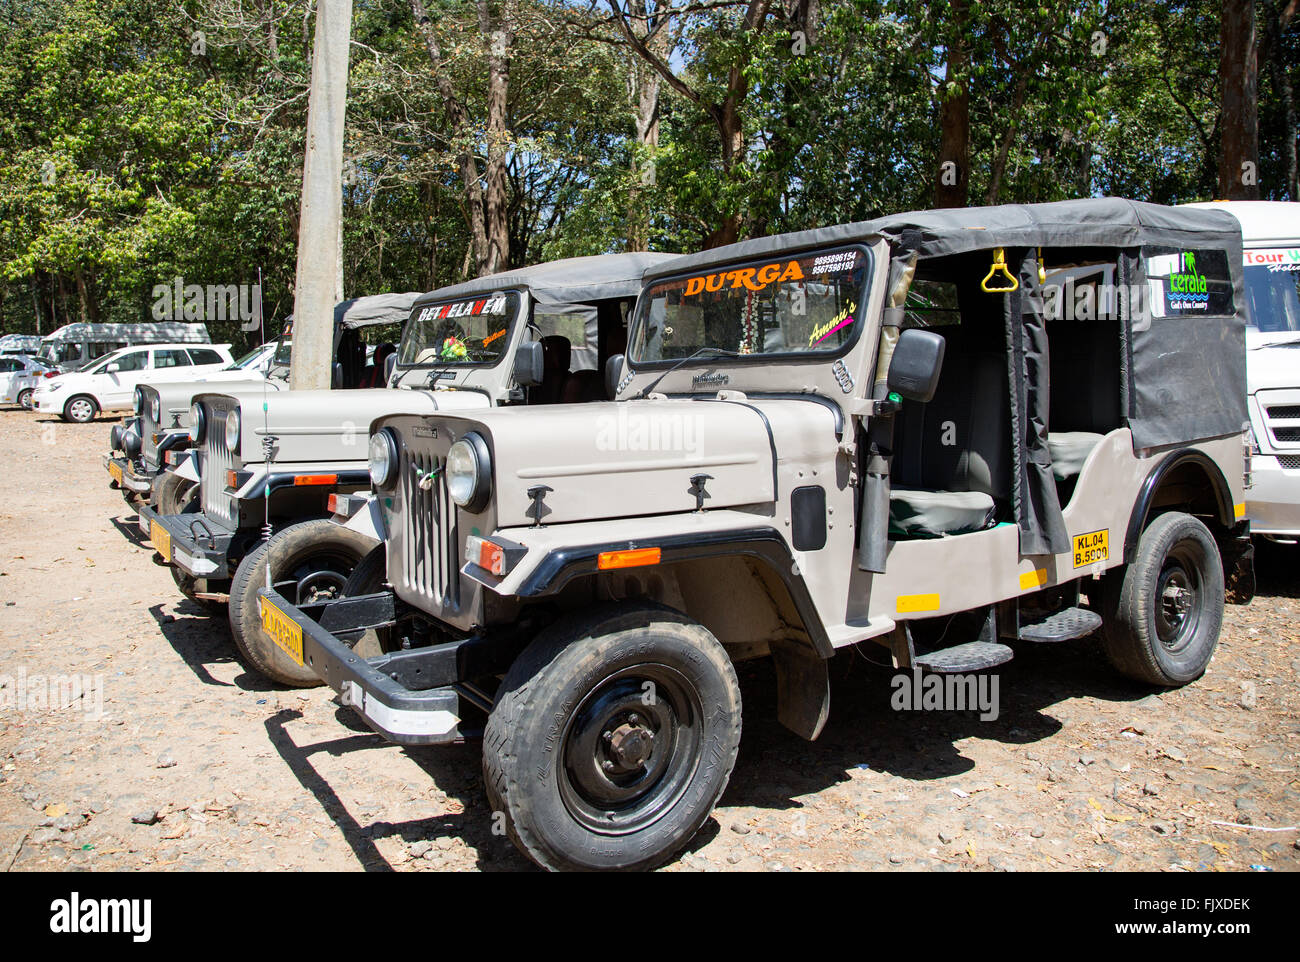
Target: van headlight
point(198, 423)
point(137, 402)
point(232, 430)
point(383, 457)
point(155, 409)
point(469, 472)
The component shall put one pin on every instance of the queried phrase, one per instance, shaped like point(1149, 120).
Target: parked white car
point(19, 375)
point(109, 383)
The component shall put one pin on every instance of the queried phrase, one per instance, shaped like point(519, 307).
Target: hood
point(1271, 366)
point(331, 426)
point(613, 459)
point(175, 397)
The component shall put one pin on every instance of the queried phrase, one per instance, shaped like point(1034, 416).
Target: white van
point(1270, 232)
point(109, 384)
point(74, 346)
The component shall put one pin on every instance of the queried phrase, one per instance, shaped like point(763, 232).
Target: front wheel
point(612, 738)
point(25, 399)
point(80, 409)
point(176, 495)
point(309, 562)
point(1162, 613)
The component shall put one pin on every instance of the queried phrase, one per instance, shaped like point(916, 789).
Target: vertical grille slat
point(429, 551)
point(217, 461)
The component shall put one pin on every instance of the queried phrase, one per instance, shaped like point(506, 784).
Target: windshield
point(248, 359)
point(465, 332)
point(789, 305)
point(1273, 289)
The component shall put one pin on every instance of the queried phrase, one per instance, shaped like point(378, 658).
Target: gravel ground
point(196, 764)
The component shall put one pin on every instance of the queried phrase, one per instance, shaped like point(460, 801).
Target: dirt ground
point(196, 764)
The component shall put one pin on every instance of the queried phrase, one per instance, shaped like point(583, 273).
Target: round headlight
point(232, 430)
point(469, 472)
point(198, 423)
point(137, 401)
point(131, 443)
point(155, 409)
point(115, 438)
point(383, 457)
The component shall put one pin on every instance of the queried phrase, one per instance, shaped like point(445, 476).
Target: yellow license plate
point(283, 630)
point(1091, 547)
point(115, 471)
point(162, 540)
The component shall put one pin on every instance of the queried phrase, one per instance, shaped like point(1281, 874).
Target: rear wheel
point(1162, 613)
point(309, 562)
point(25, 399)
point(612, 738)
point(80, 409)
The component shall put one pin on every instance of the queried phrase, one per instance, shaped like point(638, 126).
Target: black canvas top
point(1101, 222)
point(573, 280)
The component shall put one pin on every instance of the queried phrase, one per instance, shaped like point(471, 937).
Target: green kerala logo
point(1186, 280)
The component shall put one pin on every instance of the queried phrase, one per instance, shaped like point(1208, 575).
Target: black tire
point(80, 409)
point(176, 495)
point(25, 398)
point(548, 754)
point(1161, 614)
point(188, 586)
point(312, 559)
point(370, 575)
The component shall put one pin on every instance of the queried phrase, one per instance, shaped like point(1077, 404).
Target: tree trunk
point(952, 180)
point(472, 190)
point(1238, 102)
point(645, 114)
point(497, 38)
point(1278, 71)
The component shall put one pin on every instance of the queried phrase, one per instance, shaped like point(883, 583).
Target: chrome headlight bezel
point(382, 456)
point(137, 401)
point(469, 472)
point(198, 423)
point(234, 423)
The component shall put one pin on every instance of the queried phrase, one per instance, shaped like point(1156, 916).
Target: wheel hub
point(630, 744)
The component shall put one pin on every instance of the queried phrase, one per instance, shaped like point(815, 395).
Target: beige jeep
point(882, 432)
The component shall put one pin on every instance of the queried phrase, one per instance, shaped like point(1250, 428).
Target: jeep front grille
point(217, 460)
point(148, 448)
point(430, 556)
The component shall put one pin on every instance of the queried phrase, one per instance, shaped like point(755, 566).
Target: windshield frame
point(720, 359)
point(525, 306)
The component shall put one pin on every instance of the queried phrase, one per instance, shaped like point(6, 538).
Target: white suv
point(109, 383)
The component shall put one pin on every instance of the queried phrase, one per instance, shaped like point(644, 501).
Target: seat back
point(960, 440)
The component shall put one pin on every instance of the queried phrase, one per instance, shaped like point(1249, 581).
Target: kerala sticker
point(750, 278)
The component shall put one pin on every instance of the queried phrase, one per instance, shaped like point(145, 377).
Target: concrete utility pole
point(319, 283)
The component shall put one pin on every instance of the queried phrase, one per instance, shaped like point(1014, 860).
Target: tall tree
point(1239, 104)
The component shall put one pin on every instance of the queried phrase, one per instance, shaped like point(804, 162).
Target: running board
point(959, 659)
point(1061, 626)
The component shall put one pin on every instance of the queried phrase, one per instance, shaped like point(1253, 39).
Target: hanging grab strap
point(999, 263)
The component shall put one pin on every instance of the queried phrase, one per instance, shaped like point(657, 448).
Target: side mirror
point(529, 364)
point(113, 368)
point(390, 365)
point(613, 368)
point(914, 368)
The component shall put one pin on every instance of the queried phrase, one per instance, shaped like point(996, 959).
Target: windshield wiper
point(680, 361)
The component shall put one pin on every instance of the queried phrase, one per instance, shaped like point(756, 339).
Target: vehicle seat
point(952, 456)
point(1070, 449)
point(583, 386)
point(556, 355)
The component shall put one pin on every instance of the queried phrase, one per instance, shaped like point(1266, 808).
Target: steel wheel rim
point(1177, 599)
point(625, 760)
point(318, 577)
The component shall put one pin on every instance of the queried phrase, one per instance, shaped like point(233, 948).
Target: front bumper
point(1273, 501)
point(376, 688)
point(193, 542)
point(124, 474)
point(48, 403)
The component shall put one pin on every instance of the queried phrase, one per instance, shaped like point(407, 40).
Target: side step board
point(959, 659)
point(1061, 626)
